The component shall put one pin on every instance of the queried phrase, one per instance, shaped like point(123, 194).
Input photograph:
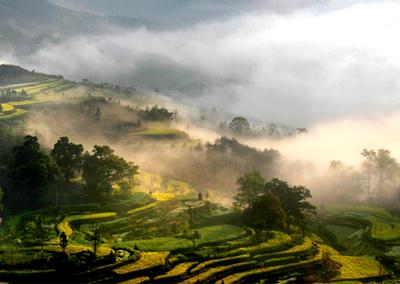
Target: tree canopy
point(239, 125)
point(251, 185)
point(293, 199)
point(273, 204)
point(33, 175)
point(68, 157)
point(103, 168)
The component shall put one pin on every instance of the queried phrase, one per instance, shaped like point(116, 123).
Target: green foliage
point(267, 213)
point(68, 157)
point(272, 205)
point(156, 114)
point(251, 186)
point(33, 176)
point(102, 169)
point(293, 199)
point(379, 170)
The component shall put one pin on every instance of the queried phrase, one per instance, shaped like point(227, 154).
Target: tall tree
point(239, 125)
point(33, 175)
point(293, 199)
point(387, 168)
point(251, 185)
point(103, 168)
point(68, 157)
point(369, 166)
point(267, 213)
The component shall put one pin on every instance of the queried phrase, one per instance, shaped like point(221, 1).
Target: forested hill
point(12, 74)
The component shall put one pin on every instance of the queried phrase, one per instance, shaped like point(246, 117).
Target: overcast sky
point(295, 64)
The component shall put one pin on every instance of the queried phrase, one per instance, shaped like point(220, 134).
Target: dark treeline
point(33, 178)
point(217, 165)
point(375, 182)
point(273, 204)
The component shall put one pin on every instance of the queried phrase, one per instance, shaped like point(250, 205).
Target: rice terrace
point(199, 141)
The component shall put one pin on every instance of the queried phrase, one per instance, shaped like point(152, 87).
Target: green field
point(223, 252)
point(146, 231)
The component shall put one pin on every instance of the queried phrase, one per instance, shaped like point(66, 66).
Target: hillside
point(27, 25)
point(11, 74)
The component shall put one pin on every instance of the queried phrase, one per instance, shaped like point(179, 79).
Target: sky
point(302, 64)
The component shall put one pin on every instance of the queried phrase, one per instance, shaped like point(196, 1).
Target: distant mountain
point(27, 25)
point(11, 74)
point(181, 13)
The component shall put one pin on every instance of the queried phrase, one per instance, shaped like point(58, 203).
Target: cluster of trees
point(273, 204)
point(156, 114)
point(212, 165)
point(376, 181)
point(32, 178)
point(240, 126)
point(9, 95)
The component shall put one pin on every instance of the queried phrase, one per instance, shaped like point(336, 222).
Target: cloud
point(299, 68)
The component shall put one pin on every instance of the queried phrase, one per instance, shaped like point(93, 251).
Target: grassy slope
point(384, 226)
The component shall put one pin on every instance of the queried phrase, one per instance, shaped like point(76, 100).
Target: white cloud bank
point(298, 68)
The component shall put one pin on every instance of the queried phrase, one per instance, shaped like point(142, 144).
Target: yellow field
point(147, 260)
point(65, 227)
point(355, 267)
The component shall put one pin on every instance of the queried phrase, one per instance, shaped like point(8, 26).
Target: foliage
point(380, 170)
point(251, 186)
point(156, 114)
point(266, 213)
point(239, 125)
point(33, 176)
point(102, 169)
point(293, 199)
point(63, 241)
point(68, 157)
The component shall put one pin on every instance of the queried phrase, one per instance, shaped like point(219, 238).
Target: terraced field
point(39, 93)
point(377, 223)
point(223, 254)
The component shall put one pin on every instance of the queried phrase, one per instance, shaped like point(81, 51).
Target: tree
point(96, 233)
point(68, 157)
point(368, 166)
point(40, 235)
point(239, 125)
point(267, 213)
point(194, 237)
point(103, 168)
point(251, 185)
point(293, 199)
point(63, 241)
point(33, 176)
point(387, 168)
point(97, 115)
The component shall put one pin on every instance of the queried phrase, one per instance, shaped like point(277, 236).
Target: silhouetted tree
point(33, 176)
point(68, 157)
point(63, 241)
point(96, 233)
point(266, 213)
point(293, 199)
point(103, 168)
point(239, 125)
point(251, 185)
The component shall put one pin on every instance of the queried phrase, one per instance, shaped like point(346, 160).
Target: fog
point(331, 67)
point(297, 68)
